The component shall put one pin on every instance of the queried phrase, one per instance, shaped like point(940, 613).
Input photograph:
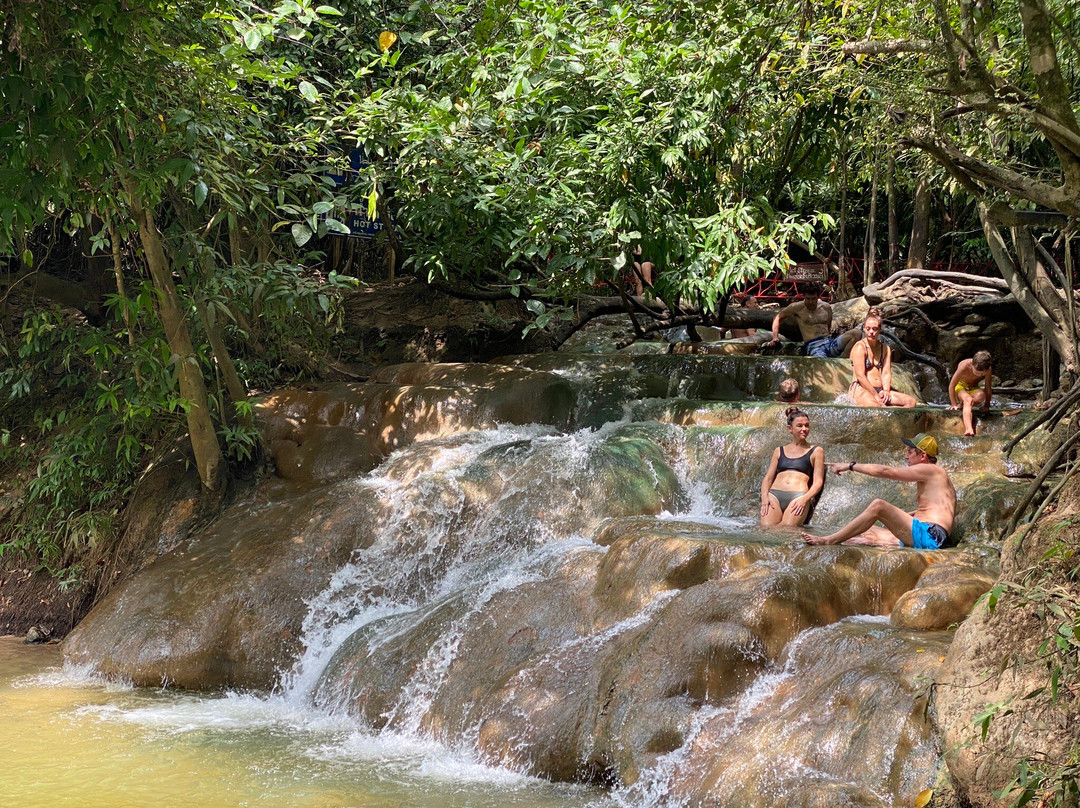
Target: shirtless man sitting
point(925, 528)
point(814, 318)
point(971, 385)
point(749, 302)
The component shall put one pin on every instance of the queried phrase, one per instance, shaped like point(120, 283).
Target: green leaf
point(309, 92)
point(252, 39)
point(199, 195)
point(301, 234)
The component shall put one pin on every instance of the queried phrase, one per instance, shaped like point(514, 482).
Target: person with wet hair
point(871, 363)
point(789, 390)
point(925, 528)
point(971, 386)
point(795, 477)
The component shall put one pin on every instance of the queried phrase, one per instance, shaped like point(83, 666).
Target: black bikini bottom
point(785, 498)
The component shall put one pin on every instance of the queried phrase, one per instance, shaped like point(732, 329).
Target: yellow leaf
point(387, 40)
point(924, 798)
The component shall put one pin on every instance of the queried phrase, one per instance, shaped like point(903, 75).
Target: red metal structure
point(776, 289)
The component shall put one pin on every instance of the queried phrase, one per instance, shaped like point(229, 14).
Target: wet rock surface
point(998, 664)
point(484, 555)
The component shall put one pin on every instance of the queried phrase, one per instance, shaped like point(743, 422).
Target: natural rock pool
point(71, 740)
point(551, 567)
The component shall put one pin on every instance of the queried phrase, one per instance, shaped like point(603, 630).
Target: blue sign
point(354, 215)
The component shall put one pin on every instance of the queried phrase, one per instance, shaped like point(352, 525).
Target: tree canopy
point(509, 149)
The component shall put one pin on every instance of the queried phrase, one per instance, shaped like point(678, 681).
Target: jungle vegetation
point(186, 152)
point(168, 191)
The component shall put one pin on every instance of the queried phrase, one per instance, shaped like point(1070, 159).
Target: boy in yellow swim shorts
point(971, 386)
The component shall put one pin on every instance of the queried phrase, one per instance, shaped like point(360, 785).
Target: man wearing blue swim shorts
point(925, 528)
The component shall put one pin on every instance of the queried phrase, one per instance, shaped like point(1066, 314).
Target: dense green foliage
point(533, 144)
point(510, 148)
point(107, 108)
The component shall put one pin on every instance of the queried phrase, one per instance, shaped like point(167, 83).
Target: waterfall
point(554, 566)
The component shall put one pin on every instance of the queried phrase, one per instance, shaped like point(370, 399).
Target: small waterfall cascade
point(553, 563)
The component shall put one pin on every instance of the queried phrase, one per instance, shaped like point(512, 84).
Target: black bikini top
point(869, 358)
point(802, 464)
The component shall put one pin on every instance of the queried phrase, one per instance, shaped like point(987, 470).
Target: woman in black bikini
point(795, 477)
point(871, 362)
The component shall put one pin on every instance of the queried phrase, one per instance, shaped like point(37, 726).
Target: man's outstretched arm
point(904, 474)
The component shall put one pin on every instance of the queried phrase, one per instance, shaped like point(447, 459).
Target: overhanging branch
point(874, 47)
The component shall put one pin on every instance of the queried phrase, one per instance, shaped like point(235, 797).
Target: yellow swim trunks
point(967, 388)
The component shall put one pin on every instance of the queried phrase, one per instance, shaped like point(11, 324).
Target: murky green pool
point(71, 740)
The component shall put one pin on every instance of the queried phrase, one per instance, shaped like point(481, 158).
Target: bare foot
point(970, 434)
point(810, 538)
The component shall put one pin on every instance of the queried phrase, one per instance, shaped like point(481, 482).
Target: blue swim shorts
point(824, 347)
point(927, 535)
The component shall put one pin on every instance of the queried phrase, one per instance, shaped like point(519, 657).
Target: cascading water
point(591, 602)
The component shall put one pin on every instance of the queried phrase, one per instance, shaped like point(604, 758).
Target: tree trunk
point(237, 391)
point(871, 231)
point(1051, 364)
point(204, 442)
point(1031, 286)
point(920, 226)
point(121, 290)
point(894, 224)
point(842, 286)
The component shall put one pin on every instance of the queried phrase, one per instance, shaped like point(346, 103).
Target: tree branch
point(967, 169)
point(884, 46)
point(958, 277)
point(1055, 335)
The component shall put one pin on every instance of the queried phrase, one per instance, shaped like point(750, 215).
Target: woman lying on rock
point(871, 362)
point(795, 477)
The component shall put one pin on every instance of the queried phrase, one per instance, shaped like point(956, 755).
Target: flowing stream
point(537, 583)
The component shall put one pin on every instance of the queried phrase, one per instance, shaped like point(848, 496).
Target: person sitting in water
point(871, 362)
point(925, 528)
point(814, 318)
point(748, 302)
point(971, 385)
point(789, 390)
point(795, 477)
